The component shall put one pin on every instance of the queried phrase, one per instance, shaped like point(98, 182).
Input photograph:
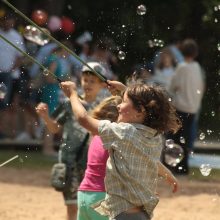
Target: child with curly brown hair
point(134, 144)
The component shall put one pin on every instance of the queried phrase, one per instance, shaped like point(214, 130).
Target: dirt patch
point(26, 194)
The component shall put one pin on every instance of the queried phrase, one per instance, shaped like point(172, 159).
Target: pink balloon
point(54, 23)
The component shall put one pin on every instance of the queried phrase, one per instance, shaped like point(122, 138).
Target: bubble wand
point(9, 160)
point(31, 58)
point(101, 77)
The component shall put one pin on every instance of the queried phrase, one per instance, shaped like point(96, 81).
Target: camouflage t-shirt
point(73, 134)
point(74, 143)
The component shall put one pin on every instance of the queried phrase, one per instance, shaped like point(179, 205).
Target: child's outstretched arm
point(169, 177)
point(42, 111)
point(80, 112)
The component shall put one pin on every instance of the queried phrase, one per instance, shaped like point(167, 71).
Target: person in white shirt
point(10, 58)
point(187, 89)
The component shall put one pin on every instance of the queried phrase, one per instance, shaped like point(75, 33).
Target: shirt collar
point(149, 130)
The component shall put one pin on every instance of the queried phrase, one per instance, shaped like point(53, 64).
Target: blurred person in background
point(10, 73)
point(187, 89)
point(102, 54)
point(164, 68)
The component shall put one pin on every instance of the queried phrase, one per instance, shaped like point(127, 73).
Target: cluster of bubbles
point(33, 34)
point(212, 113)
point(141, 10)
point(173, 153)
point(155, 43)
point(3, 91)
point(216, 8)
point(205, 169)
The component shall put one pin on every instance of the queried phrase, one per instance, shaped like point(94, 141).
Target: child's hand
point(42, 110)
point(116, 87)
point(68, 88)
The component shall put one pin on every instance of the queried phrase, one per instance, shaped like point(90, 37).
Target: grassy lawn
point(29, 159)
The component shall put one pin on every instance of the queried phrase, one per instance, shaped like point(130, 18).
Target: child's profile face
point(127, 112)
point(91, 84)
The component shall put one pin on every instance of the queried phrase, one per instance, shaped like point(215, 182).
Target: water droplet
point(198, 91)
point(173, 153)
point(3, 90)
point(141, 10)
point(121, 55)
point(205, 169)
point(202, 136)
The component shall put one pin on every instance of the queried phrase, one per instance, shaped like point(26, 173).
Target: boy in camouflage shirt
point(74, 137)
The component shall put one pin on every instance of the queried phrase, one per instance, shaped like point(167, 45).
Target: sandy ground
point(26, 194)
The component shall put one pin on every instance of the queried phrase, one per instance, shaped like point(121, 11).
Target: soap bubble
point(205, 169)
point(173, 153)
point(3, 90)
point(141, 10)
point(213, 113)
point(46, 72)
point(202, 136)
point(182, 140)
point(121, 55)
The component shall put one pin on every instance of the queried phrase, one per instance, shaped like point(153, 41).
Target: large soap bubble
point(173, 153)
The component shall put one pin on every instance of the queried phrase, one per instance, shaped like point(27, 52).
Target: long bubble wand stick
point(31, 58)
point(104, 79)
point(9, 160)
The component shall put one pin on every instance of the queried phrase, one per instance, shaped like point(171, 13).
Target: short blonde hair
point(107, 109)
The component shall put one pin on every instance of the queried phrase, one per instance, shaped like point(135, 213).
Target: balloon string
point(104, 79)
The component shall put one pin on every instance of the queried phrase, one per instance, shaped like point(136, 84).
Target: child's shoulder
point(123, 128)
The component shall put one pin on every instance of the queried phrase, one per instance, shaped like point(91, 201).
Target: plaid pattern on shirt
point(131, 173)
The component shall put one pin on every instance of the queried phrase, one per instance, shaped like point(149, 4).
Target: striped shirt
point(131, 171)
